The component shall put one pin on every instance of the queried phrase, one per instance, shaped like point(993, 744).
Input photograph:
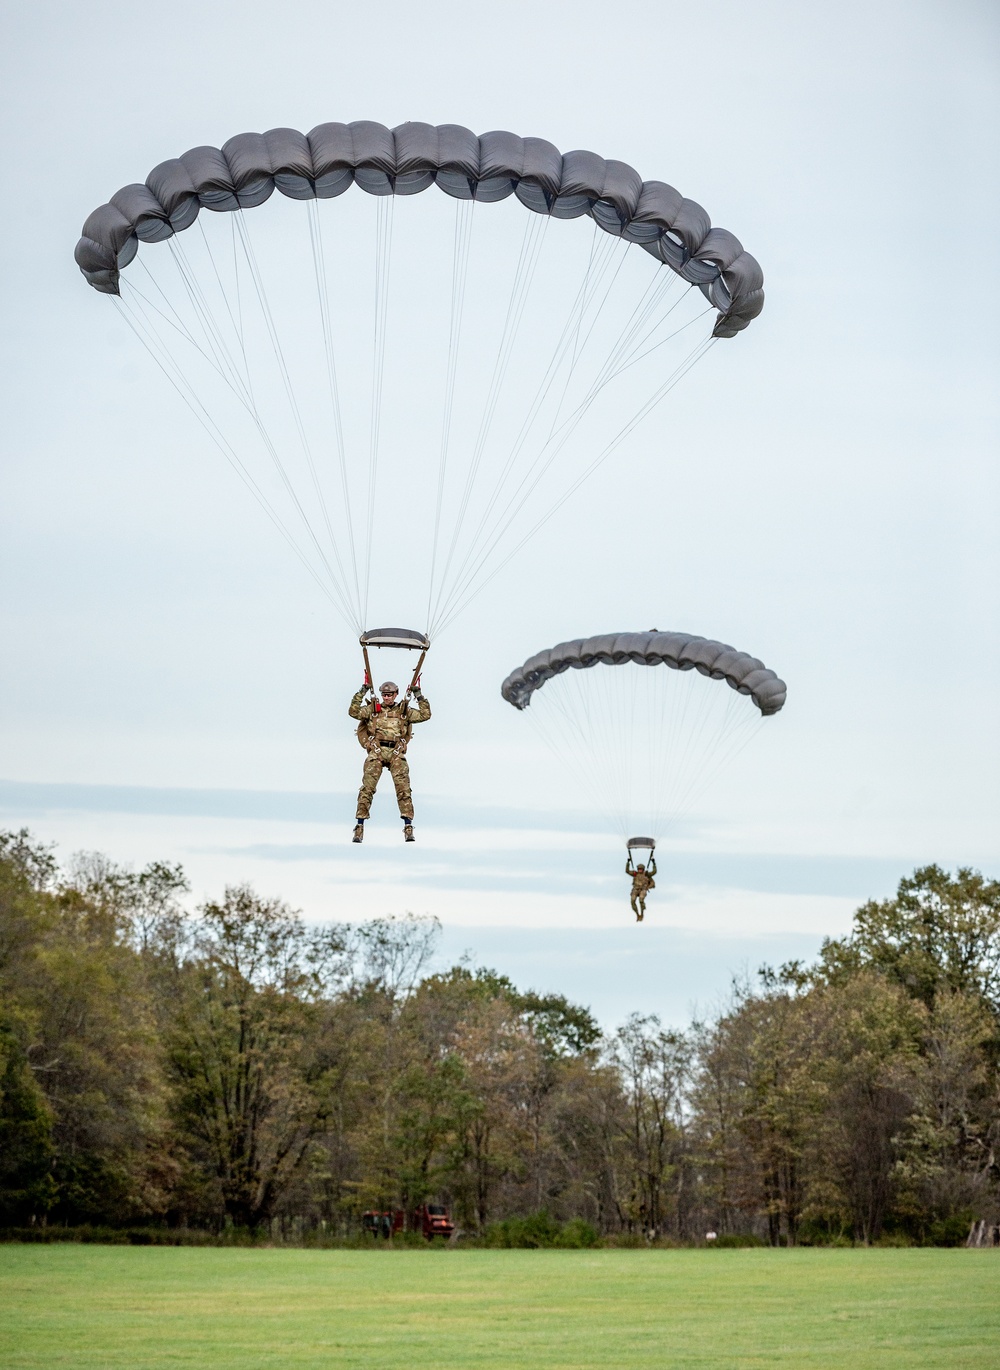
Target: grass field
point(89, 1306)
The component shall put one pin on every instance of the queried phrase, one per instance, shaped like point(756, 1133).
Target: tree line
point(234, 1068)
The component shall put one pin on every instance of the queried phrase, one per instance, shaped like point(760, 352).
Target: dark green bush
point(578, 1234)
point(950, 1231)
point(540, 1230)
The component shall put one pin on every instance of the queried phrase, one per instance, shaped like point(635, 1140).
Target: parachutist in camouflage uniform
point(642, 883)
point(384, 729)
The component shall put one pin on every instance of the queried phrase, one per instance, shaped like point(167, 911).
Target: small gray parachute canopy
point(405, 160)
point(680, 651)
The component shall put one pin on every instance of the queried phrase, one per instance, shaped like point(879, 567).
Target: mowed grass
point(90, 1306)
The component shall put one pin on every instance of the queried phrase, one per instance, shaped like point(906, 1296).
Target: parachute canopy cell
point(679, 651)
point(322, 164)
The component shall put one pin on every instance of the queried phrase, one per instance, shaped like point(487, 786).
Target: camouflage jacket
point(641, 880)
point(379, 726)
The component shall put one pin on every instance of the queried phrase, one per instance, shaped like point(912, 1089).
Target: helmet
point(388, 685)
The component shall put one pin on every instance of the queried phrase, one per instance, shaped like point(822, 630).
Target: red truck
point(435, 1221)
point(430, 1220)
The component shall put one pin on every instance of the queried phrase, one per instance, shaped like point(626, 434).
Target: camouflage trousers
point(385, 759)
point(639, 892)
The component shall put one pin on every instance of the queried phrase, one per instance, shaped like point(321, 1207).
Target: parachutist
point(630, 728)
point(642, 883)
point(384, 730)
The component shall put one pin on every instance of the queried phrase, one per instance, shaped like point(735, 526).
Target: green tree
point(941, 933)
point(76, 1010)
point(27, 1189)
point(782, 1099)
point(867, 1057)
point(947, 1169)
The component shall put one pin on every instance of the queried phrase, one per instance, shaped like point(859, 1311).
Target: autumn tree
point(654, 1067)
point(250, 1068)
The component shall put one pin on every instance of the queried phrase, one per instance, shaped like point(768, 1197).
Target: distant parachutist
point(644, 720)
point(642, 883)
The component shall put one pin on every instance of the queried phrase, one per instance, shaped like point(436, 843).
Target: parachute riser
point(416, 676)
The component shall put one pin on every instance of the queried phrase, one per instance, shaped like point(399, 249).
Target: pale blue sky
point(830, 499)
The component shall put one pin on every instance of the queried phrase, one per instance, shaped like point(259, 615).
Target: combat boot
point(408, 832)
point(359, 833)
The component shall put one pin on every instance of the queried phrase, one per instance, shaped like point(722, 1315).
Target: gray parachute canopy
point(396, 637)
point(680, 651)
point(246, 170)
